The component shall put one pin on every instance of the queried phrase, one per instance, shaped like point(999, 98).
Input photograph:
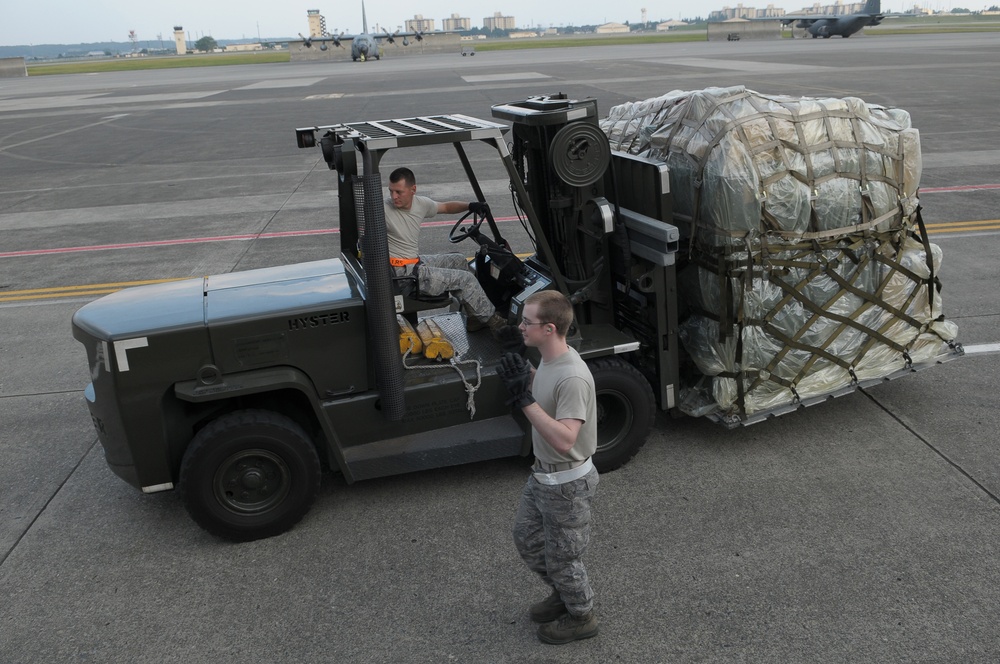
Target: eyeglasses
point(527, 323)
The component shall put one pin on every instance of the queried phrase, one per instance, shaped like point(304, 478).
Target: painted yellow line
point(963, 225)
point(117, 285)
point(71, 291)
point(22, 298)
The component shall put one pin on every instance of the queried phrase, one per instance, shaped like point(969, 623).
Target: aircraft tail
point(364, 18)
point(873, 7)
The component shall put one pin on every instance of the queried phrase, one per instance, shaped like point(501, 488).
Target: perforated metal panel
point(423, 130)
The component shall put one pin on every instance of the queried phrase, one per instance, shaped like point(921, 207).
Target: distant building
point(243, 47)
point(739, 11)
point(611, 28)
point(179, 40)
point(419, 24)
point(666, 25)
point(838, 8)
point(522, 34)
point(770, 12)
point(317, 23)
point(499, 22)
point(456, 23)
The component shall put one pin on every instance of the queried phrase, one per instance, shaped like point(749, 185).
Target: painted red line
point(196, 240)
point(965, 187)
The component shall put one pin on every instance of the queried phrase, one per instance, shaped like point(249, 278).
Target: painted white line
point(516, 76)
point(738, 65)
point(281, 83)
point(982, 348)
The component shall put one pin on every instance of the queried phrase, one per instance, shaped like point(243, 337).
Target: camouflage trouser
point(552, 531)
point(438, 273)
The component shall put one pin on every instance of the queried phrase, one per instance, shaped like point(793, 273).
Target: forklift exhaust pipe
point(381, 312)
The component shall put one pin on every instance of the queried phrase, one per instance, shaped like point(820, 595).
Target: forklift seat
point(413, 301)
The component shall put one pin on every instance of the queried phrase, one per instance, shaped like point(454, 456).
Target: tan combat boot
point(548, 609)
point(569, 628)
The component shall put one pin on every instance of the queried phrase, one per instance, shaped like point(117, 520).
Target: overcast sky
point(82, 21)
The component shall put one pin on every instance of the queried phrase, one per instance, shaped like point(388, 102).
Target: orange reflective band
point(402, 262)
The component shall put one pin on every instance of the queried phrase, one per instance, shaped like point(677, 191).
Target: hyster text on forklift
point(693, 294)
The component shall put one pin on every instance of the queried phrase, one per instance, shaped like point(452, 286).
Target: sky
point(84, 21)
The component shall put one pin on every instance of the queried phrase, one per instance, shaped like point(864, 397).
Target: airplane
point(827, 25)
point(365, 45)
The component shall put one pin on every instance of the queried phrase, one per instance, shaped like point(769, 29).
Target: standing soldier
point(552, 526)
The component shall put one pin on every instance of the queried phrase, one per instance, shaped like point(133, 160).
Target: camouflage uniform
point(437, 273)
point(552, 525)
point(552, 531)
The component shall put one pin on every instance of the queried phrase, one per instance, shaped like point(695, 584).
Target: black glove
point(511, 340)
point(516, 375)
point(479, 208)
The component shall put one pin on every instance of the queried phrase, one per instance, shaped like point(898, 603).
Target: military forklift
point(238, 389)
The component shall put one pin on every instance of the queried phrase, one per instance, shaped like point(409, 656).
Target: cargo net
point(808, 269)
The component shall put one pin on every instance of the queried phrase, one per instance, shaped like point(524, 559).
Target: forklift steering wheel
point(455, 235)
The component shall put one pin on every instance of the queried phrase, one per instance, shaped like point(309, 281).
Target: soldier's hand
point(511, 339)
point(479, 208)
point(516, 375)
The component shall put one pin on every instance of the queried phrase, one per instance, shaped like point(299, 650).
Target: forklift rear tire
point(625, 411)
point(249, 474)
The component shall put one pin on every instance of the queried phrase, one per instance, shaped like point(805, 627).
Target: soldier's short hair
point(404, 174)
point(553, 307)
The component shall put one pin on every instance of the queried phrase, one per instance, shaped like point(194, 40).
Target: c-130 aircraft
point(827, 25)
point(364, 46)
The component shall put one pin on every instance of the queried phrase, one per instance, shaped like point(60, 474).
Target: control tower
point(179, 40)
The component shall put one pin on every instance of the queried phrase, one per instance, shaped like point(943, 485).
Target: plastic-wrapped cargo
point(806, 270)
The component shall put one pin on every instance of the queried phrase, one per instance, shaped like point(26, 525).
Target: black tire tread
point(644, 412)
point(208, 436)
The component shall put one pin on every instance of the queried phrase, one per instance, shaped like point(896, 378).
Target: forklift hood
point(159, 308)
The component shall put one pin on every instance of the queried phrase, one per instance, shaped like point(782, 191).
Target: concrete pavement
point(860, 530)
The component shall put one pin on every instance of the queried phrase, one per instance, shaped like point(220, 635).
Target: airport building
point(498, 22)
point(838, 8)
point(611, 28)
point(179, 42)
point(739, 11)
point(419, 24)
point(456, 23)
point(317, 23)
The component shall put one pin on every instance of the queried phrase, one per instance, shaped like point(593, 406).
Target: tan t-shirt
point(564, 388)
point(403, 226)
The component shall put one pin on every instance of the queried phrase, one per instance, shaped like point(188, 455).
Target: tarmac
point(860, 530)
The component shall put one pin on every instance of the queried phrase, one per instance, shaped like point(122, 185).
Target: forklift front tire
point(625, 411)
point(249, 474)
